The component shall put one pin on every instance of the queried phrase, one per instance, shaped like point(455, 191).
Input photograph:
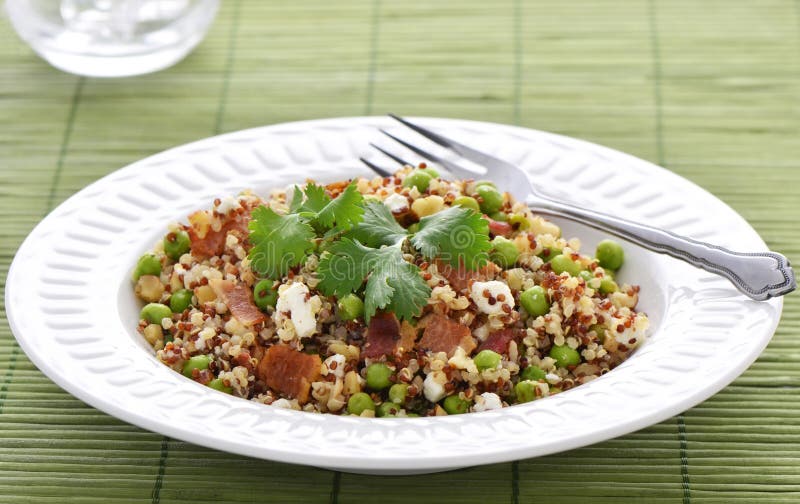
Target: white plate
point(70, 305)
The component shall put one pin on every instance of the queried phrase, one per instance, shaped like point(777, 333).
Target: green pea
point(591, 280)
point(490, 199)
point(360, 402)
point(264, 295)
point(607, 286)
point(351, 307)
point(378, 376)
point(534, 301)
point(155, 312)
point(180, 300)
point(467, 202)
point(433, 172)
point(218, 384)
point(388, 409)
point(198, 362)
point(499, 216)
point(548, 254)
point(532, 373)
point(554, 390)
point(454, 405)
point(562, 263)
point(525, 391)
point(418, 179)
point(610, 254)
point(176, 244)
point(413, 228)
point(519, 221)
point(600, 330)
point(565, 356)
point(398, 393)
point(487, 359)
point(485, 183)
point(148, 264)
point(504, 252)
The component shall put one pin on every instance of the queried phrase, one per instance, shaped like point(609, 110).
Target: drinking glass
point(112, 38)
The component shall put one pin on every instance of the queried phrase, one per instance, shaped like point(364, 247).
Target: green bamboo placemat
point(708, 89)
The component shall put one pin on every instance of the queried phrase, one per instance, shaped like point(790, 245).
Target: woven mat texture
point(710, 89)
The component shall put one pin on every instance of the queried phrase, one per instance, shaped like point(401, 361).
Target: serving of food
point(380, 297)
point(402, 296)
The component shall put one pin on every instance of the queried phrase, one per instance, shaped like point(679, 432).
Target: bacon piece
point(459, 278)
point(289, 371)
point(498, 341)
point(443, 334)
point(336, 188)
point(239, 300)
point(205, 242)
point(386, 336)
point(383, 334)
point(499, 228)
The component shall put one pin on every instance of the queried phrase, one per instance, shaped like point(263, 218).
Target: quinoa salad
point(403, 296)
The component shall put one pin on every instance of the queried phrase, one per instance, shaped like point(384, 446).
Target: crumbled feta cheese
point(231, 241)
point(282, 403)
point(460, 360)
point(294, 299)
point(552, 378)
point(396, 202)
point(336, 369)
point(631, 336)
point(487, 401)
point(492, 305)
point(228, 203)
point(433, 386)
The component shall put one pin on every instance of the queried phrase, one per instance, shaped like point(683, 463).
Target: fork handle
point(759, 275)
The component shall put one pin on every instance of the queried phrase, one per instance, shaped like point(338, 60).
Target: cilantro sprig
point(364, 246)
point(340, 213)
point(372, 251)
point(456, 235)
point(391, 282)
point(281, 242)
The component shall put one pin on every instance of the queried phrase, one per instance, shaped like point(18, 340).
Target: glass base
point(112, 38)
point(117, 66)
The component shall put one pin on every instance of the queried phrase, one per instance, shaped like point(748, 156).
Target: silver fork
point(759, 275)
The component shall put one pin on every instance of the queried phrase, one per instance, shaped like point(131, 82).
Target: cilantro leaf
point(456, 235)
point(392, 282)
point(378, 226)
point(312, 199)
point(343, 268)
point(280, 241)
point(395, 284)
point(345, 210)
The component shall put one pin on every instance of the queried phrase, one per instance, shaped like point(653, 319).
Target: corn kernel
point(205, 294)
point(149, 288)
point(427, 206)
point(352, 383)
point(153, 333)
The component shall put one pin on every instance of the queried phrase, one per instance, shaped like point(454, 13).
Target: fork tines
point(450, 166)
